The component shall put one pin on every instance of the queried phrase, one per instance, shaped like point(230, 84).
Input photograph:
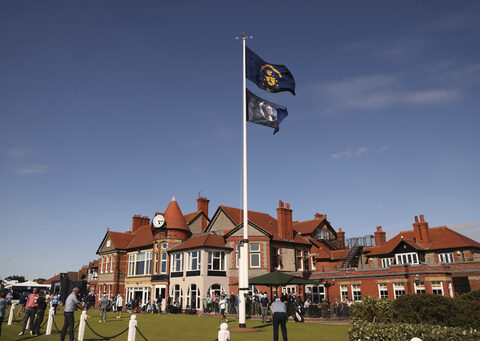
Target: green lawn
point(183, 327)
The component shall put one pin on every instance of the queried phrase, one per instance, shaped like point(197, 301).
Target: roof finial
point(173, 199)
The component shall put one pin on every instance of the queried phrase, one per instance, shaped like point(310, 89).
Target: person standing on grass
point(159, 304)
point(31, 311)
point(42, 302)
point(55, 298)
point(71, 304)
point(279, 313)
point(223, 306)
point(264, 307)
point(3, 307)
point(119, 305)
point(103, 305)
point(21, 303)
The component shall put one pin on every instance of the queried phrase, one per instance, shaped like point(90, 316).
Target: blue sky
point(108, 108)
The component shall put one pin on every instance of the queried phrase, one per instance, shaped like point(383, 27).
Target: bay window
point(216, 260)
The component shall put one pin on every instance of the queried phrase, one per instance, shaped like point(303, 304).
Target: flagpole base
point(242, 325)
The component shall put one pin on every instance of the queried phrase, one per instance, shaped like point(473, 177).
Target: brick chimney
point(319, 216)
point(417, 231)
point(341, 239)
point(380, 237)
point(202, 205)
point(136, 222)
point(425, 232)
point(285, 226)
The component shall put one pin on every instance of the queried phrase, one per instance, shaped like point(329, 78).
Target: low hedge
point(361, 331)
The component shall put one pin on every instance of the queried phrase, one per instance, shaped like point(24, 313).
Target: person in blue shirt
point(279, 313)
point(71, 304)
point(55, 299)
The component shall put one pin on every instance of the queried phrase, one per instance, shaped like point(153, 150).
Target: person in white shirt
point(119, 304)
point(223, 304)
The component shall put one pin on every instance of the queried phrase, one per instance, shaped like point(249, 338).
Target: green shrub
point(361, 331)
point(372, 309)
point(424, 308)
point(470, 296)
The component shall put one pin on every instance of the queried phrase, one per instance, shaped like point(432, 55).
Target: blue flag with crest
point(269, 77)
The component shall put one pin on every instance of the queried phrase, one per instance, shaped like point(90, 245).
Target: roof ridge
point(241, 209)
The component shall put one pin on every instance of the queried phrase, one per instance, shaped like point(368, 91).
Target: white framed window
point(111, 263)
point(387, 262)
point(343, 292)
point(140, 263)
point(316, 293)
point(177, 294)
point(312, 263)
point(437, 288)
point(237, 255)
point(398, 290)
point(107, 262)
point(163, 263)
point(109, 243)
point(289, 289)
point(101, 265)
point(254, 255)
point(406, 258)
point(420, 288)
point(382, 290)
point(155, 262)
point(299, 260)
point(356, 292)
point(131, 264)
point(193, 297)
point(216, 260)
point(446, 257)
point(194, 261)
point(177, 262)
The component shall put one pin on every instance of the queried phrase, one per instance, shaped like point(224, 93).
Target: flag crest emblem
point(270, 77)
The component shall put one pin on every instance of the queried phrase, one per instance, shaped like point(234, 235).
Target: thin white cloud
point(351, 153)
point(32, 170)
point(18, 152)
point(383, 149)
point(378, 92)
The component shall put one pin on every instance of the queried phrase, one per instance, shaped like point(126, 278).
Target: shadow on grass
point(263, 326)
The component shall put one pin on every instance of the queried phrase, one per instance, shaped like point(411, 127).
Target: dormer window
point(446, 257)
point(109, 243)
point(406, 258)
point(387, 262)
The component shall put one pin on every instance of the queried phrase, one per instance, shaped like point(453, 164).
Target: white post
point(51, 312)
point(81, 327)
point(12, 311)
point(243, 266)
point(223, 333)
point(132, 330)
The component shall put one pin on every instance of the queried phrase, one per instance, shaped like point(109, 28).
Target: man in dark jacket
point(41, 307)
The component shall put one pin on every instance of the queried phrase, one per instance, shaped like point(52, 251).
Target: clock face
point(158, 221)
point(164, 245)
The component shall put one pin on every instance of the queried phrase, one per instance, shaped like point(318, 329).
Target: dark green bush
point(424, 308)
point(362, 331)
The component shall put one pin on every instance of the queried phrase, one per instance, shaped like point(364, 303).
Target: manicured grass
point(182, 328)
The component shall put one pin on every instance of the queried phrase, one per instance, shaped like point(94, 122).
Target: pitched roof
point(190, 216)
point(54, 278)
point(441, 237)
point(202, 240)
point(262, 220)
point(174, 217)
point(142, 237)
point(120, 240)
point(307, 226)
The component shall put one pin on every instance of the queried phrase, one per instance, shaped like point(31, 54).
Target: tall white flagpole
point(243, 266)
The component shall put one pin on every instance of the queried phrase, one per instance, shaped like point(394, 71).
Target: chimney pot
point(422, 219)
point(416, 219)
point(287, 206)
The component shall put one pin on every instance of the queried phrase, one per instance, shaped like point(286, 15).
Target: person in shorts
point(223, 304)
